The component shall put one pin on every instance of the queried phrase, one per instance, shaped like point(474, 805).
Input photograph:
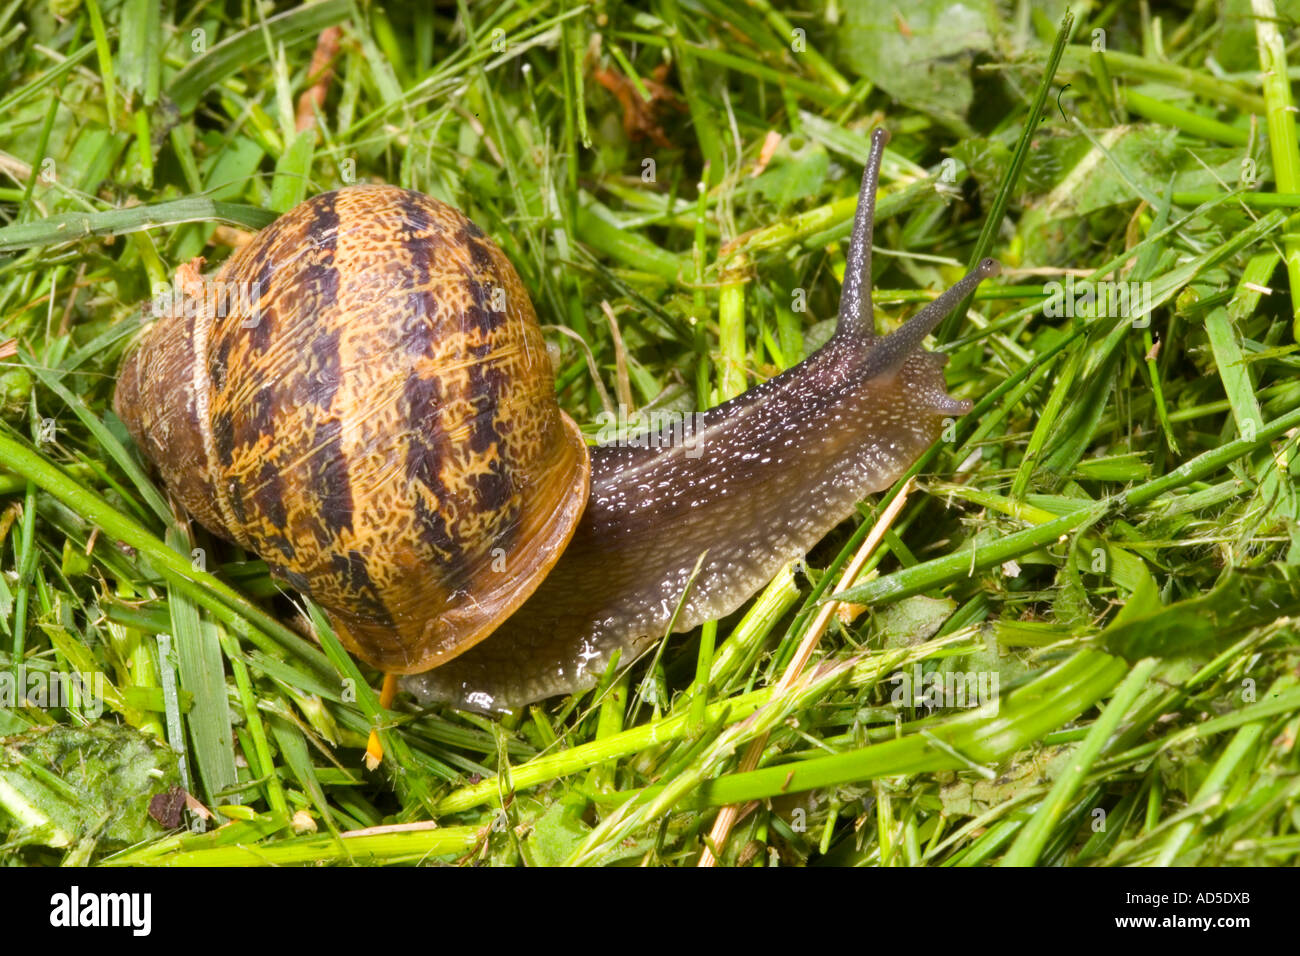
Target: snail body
point(380, 426)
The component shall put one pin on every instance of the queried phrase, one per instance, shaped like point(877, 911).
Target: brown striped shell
point(362, 397)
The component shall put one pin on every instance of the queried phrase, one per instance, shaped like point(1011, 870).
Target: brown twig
point(729, 814)
point(641, 118)
point(319, 75)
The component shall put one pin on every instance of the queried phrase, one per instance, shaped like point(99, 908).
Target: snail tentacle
point(855, 315)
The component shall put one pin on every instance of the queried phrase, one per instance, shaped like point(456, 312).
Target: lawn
point(1065, 637)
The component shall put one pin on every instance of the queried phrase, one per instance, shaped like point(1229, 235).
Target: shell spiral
point(362, 397)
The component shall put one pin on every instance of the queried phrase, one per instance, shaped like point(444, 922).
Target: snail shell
point(364, 398)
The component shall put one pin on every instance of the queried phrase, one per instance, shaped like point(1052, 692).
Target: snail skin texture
point(378, 422)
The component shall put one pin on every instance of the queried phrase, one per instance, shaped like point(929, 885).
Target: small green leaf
point(64, 783)
point(1244, 599)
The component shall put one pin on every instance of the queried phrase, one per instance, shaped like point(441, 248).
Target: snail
point(378, 422)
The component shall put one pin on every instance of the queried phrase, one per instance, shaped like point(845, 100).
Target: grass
point(1112, 534)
